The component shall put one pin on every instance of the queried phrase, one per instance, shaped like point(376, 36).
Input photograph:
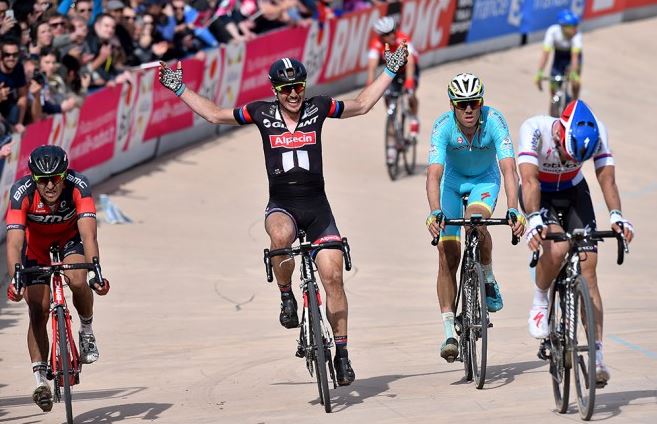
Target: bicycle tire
point(559, 368)
point(410, 149)
point(64, 363)
point(584, 353)
point(464, 345)
point(318, 345)
point(391, 132)
point(479, 324)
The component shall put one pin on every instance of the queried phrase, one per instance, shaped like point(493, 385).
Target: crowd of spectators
point(54, 52)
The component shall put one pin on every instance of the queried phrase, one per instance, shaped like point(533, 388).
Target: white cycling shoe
point(538, 322)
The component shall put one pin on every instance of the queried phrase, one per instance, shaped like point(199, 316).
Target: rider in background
point(566, 41)
point(551, 154)
point(467, 145)
point(409, 76)
point(53, 205)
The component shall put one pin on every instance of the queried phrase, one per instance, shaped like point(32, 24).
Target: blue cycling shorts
point(482, 190)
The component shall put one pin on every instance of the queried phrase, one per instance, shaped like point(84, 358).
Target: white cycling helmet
point(385, 25)
point(464, 87)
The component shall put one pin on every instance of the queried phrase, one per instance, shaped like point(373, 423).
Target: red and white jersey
point(377, 47)
point(537, 147)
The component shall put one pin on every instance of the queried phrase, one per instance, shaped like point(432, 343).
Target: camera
point(40, 78)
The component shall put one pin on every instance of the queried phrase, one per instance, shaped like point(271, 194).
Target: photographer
point(47, 89)
point(13, 87)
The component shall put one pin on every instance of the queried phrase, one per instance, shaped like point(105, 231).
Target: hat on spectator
point(115, 5)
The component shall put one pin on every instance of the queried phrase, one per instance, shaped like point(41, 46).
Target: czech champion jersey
point(377, 48)
point(293, 158)
point(537, 147)
point(44, 226)
point(554, 39)
point(450, 148)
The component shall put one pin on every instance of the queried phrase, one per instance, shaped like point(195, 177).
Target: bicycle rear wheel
point(64, 369)
point(479, 323)
point(391, 150)
point(559, 366)
point(410, 154)
point(583, 349)
point(319, 356)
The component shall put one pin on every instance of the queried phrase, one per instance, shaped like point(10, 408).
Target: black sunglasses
point(463, 104)
point(14, 54)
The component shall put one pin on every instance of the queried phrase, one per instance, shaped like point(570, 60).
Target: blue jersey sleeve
point(501, 134)
point(439, 139)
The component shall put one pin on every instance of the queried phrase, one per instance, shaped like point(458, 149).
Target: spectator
point(108, 56)
point(83, 9)
point(41, 36)
point(88, 9)
point(13, 87)
point(223, 25)
point(49, 88)
point(76, 80)
point(7, 23)
point(115, 9)
point(59, 24)
point(150, 44)
point(25, 38)
point(185, 41)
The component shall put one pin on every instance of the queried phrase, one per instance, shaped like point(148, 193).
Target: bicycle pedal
point(300, 353)
point(490, 325)
point(600, 384)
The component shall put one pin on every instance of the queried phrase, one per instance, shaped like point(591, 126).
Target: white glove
point(534, 220)
point(616, 217)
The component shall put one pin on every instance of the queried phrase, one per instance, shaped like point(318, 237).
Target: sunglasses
point(45, 179)
point(57, 24)
point(178, 8)
point(14, 54)
point(129, 18)
point(84, 10)
point(287, 88)
point(463, 104)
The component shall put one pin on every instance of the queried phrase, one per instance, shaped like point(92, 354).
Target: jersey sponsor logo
point(292, 141)
point(560, 166)
point(459, 140)
point(507, 142)
point(310, 111)
point(485, 195)
point(22, 189)
point(536, 137)
point(51, 219)
point(308, 122)
point(77, 181)
point(276, 124)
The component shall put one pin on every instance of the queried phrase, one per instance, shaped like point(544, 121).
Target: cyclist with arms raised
point(467, 144)
point(53, 205)
point(551, 154)
point(566, 41)
point(291, 127)
point(409, 76)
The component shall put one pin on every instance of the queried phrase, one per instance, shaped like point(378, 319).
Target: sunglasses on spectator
point(129, 18)
point(57, 24)
point(287, 88)
point(10, 54)
point(45, 179)
point(463, 104)
point(178, 8)
point(84, 10)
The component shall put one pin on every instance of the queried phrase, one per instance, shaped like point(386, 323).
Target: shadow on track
point(501, 375)
point(608, 405)
point(130, 411)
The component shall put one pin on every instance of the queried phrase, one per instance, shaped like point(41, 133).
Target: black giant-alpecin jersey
point(293, 158)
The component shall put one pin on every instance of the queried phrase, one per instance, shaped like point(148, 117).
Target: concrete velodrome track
point(190, 334)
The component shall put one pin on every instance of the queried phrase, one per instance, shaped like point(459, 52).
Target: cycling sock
point(341, 346)
point(488, 272)
point(39, 370)
point(598, 352)
point(540, 297)
point(85, 324)
point(285, 288)
point(448, 324)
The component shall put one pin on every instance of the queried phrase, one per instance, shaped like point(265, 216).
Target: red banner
point(34, 136)
point(597, 8)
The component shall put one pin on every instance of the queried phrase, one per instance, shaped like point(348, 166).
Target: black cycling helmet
point(48, 160)
point(287, 71)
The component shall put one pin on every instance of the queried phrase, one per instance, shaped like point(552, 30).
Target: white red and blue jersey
point(537, 147)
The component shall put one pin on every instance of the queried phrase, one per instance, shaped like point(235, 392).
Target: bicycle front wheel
point(319, 357)
point(64, 369)
point(479, 323)
point(559, 363)
point(391, 150)
point(583, 349)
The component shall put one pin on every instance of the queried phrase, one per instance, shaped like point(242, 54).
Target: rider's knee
point(450, 251)
point(38, 314)
point(281, 237)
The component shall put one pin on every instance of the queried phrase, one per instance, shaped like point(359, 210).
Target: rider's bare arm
point(410, 68)
point(15, 240)
point(368, 97)
point(88, 234)
point(372, 64)
point(607, 179)
point(510, 176)
point(531, 188)
point(434, 176)
point(207, 109)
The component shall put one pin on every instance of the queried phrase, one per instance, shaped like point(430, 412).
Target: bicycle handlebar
point(20, 271)
point(478, 221)
point(580, 235)
point(306, 247)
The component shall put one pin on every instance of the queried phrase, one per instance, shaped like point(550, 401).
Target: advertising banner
point(538, 15)
point(494, 18)
point(428, 23)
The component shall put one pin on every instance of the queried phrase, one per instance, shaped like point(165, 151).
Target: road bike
point(560, 84)
point(399, 143)
point(571, 321)
point(64, 365)
point(315, 337)
point(472, 321)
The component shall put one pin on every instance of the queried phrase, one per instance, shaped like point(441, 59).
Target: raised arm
point(202, 106)
point(373, 92)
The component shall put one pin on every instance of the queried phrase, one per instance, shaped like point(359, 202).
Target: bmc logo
point(292, 141)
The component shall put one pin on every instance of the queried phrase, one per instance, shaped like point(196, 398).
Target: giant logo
point(292, 140)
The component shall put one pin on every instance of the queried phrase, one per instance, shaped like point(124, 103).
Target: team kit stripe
point(244, 114)
point(528, 154)
point(546, 177)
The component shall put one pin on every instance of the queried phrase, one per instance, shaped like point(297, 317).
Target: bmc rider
point(467, 144)
point(566, 41)
point(291, 128)
point(551, 153)
point(409, 75)
point(53, 205)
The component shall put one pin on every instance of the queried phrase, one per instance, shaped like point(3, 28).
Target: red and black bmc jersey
point(293, 158)
point(46, 225)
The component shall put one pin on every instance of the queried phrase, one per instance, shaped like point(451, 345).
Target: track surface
point(190, 334)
